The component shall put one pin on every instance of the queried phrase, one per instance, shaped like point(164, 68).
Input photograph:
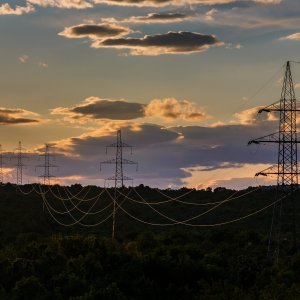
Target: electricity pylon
point(20, 165)
point(287, 169)
point(46, 166)
point(119, 177)
point(1, 165)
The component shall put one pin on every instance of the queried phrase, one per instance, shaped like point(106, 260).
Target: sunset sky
point(182, 79)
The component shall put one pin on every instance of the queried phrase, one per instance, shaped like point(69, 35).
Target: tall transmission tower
point(119, 177)
point(1, 165)
point(20, 165)
point(287, 169)
point(46, 177)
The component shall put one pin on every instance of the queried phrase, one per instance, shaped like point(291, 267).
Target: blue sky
point(195, 73)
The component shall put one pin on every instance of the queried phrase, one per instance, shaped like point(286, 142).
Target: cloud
point(269, 1)
point(294, 36)
point(182, 42)
point(111, 36)
point(247, 16)
point(94, 31)
point(171, 155)
point(153, 18)
point(171, 109)
point(42, 65)
point(24, 58)
point(11, 116)
point(251, 116)
point(6, 9)
point(210, 15)
point(161, 3)
point(78, 4)
point(94, 108)
point(85, 4)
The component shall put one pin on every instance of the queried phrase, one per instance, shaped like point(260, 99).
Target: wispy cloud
point(84, 4)
point(6, 9)
point(17, 116)
point(162, 3)
point(152, 18)
point(77, 4)
point(294, 36)
point(24, 58)
point(210, 15)
point(43, 64)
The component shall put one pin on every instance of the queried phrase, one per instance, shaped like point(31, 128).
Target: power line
point(200, 225)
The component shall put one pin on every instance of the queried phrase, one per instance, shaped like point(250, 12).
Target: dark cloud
point(169, 155)
point(170, 43)
point(96, 108)
point(16, 117)
point(114, 110)
point(95, 31)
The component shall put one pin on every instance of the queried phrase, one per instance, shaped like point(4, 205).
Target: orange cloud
point(294, 36)
point(17, 116)
point(78, 4)
point(171, 109)
point(6, 9)
point(251, 116)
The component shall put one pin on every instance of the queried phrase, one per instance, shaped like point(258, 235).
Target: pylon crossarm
point(270, 138)
point(128, 162)
point(273, 170)
point(114, 145)
point(276, 107)
point(110, 161)
point(269, 108)
point(275, 138)
point(114, 178)
point(43, 166)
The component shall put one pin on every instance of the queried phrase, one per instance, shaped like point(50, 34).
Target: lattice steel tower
point(287, 169)
point(1, 165)
point(119, 176)
point(20, 165)
point(47, 166)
